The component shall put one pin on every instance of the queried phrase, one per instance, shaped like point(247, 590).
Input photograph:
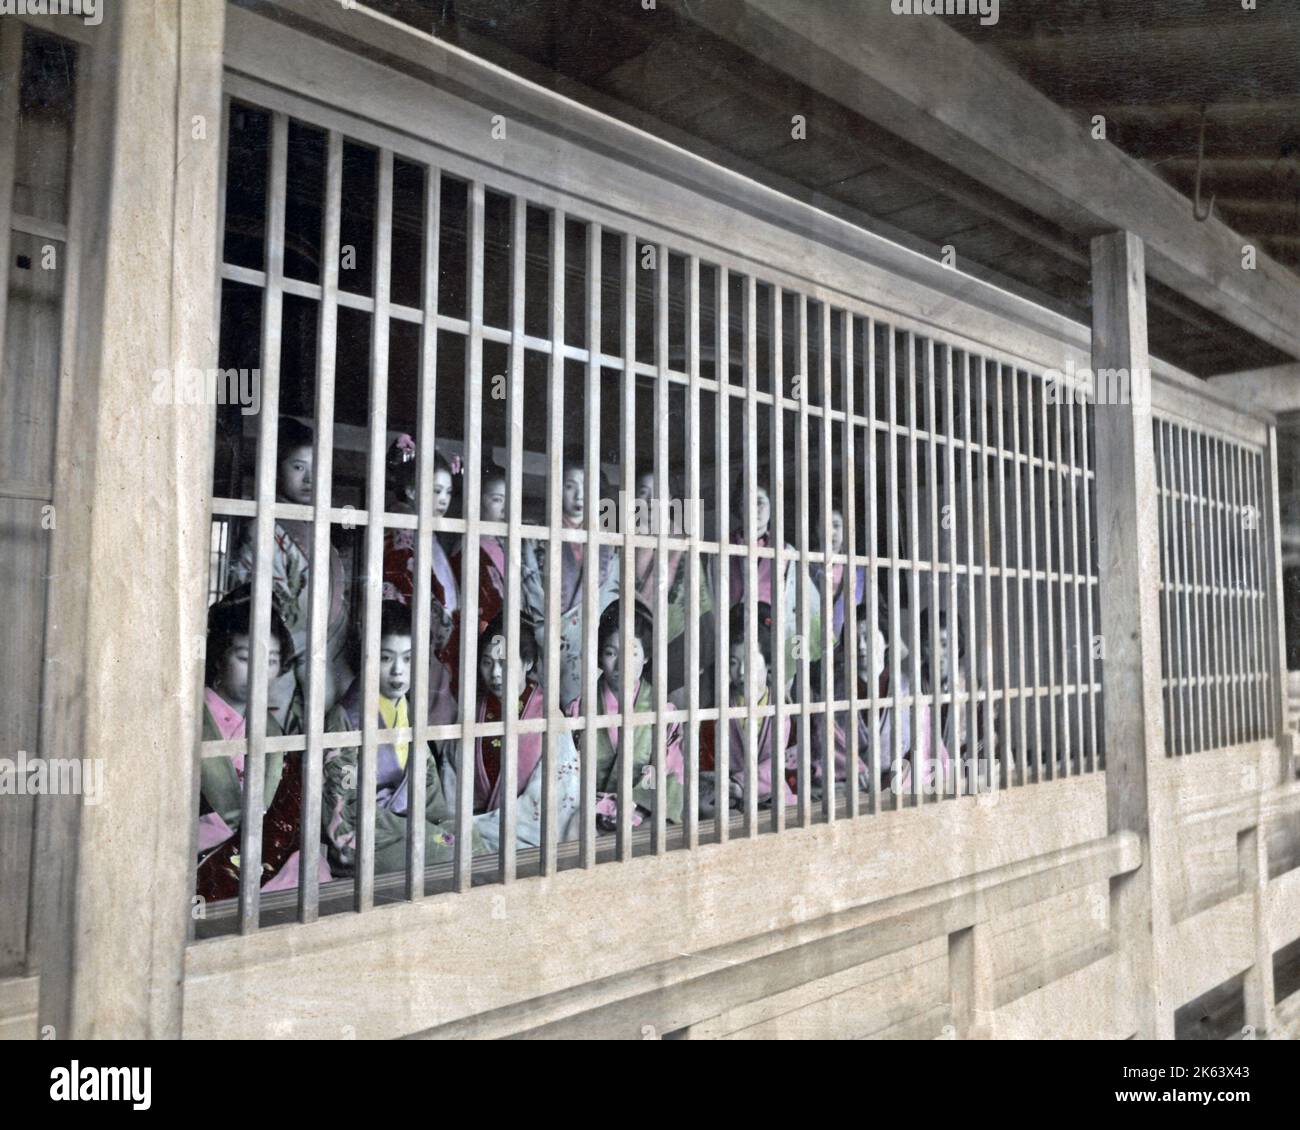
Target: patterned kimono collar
point(229, 721)
point(491, 547)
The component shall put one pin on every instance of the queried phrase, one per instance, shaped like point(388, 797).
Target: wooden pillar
point(132, 476)
point(1129, 558)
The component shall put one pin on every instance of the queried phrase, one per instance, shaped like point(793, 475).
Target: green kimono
point(647, 793)
point(339, 812)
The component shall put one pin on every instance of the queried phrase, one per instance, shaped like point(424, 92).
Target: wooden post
point(124, 651)
point(1128, 554)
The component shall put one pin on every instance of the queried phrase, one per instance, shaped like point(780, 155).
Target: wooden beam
point(1274, 390)
point(983, 119)
point(1129, 558)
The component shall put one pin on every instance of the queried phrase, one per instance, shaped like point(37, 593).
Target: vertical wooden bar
point(849, 629)
point(377, 431)
point(828, 683)
point(1035, 452)
point(1181, 643)
point(956, 629)
point(749, 343)
point(801, 586)
point(555, 716)
point(1263, 613)
point(627, 578)
point(914, 573)
point(250, 845)
point(1140, 913)
point(1086, 422)
point(1061, 675)
point(873, 575)
point(1232, 536)
point(893, 492)
point(1076, 415)
point(1214, 507)
point(322, 481)
point(779, 565)
point(989, 744)
point(592, 552)
point(932, 644)
point(694, 509)
point(1275, 610)
point(1049, 683)
point(663, 492)
point(422, 612)
point(722, 470)
point(514, 552)
point(1022, 673)
point(985, 695)
point(469, 558)
point(1008, 758)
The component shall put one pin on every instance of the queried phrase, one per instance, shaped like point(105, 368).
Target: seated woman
point(399, 545)
point(339, 805)
point(945, 673)
point(573, 562)
point(796, 587)
point(649, 512)
point(291, 565)
point(837, 576)
point(771, 753)
point(529, 765)
point(492, 559)
point(225, 706)
point(872, 649)
point(647, 793)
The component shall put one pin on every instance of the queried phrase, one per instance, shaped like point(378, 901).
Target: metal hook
point(1199, 215)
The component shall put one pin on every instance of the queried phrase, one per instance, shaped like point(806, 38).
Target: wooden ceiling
point(1148, 67)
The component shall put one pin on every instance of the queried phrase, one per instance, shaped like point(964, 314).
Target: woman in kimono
point(772, 747)
point(647, 792)
point(936, 765)
point(339, 805)
point(488, 752)
point(399, 545)
point(492, 559)
point(649, 512)
point(797, 587)
point(574, 557)
point(291, 574)
point(221, 779)
point(951, 680)
point(837, 578)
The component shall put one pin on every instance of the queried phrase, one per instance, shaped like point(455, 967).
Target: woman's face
point(293, 477)
point(394, 666)
point(441, 492)
point(492, 666)
point(837, 531)
point(572, 501)
point(492, 505)
point(235, 667)
point(871, 649)
point(737, 667)
point(611, 658)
